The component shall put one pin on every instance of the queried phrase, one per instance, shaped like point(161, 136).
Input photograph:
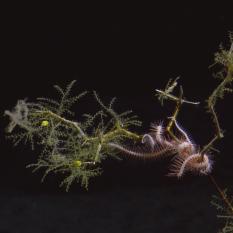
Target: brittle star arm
point(182, 131)
point(166, 94)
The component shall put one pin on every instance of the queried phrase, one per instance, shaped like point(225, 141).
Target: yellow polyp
point(77, 163)
point(44, 123)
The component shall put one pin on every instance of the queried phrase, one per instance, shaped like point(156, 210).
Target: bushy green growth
point(78, 148)
point(225, 211)
point(73, 148)
point(223, 57)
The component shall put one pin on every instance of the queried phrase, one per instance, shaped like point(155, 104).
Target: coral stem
point(72, 123)
point(223, 195)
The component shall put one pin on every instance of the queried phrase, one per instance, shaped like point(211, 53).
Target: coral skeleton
point(76, 148)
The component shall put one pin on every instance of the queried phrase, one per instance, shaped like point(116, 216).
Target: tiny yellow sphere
point(78, 163)
point(44, 123)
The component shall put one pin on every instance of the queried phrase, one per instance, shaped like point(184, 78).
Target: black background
point(127, 52)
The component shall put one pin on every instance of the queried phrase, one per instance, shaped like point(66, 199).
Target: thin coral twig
point(175, 114)
point(174, 98)
point(222, 194)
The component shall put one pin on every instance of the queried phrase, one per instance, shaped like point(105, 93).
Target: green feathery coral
point(70, 147)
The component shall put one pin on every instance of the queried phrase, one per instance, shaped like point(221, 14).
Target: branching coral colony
point(77, 148)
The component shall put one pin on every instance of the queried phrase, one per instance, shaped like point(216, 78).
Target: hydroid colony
point(77, 149)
